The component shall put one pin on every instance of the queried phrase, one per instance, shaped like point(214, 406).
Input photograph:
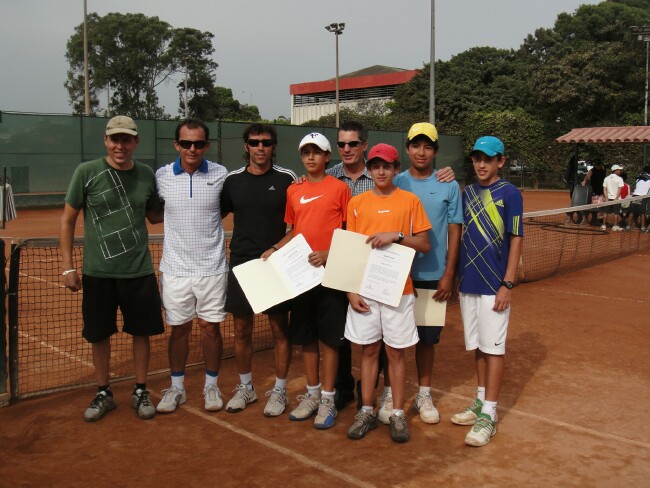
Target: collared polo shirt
point(194, 242)
point(361, 184)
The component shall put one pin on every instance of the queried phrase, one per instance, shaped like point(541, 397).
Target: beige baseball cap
point(121, 124)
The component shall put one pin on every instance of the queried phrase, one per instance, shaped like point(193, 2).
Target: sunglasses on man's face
point(257, 142)
point(188, 144)
point(352, 144)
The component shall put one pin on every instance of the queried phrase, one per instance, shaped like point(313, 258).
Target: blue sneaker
point(326, 416)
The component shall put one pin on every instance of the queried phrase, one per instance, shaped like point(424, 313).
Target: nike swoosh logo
point(304, 200)
point(210, 183)
point(498, 343)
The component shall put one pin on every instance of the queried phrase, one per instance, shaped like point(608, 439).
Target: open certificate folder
point(379, 274)
point(285, 275)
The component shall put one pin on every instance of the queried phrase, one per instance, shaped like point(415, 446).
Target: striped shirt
point(361, 184)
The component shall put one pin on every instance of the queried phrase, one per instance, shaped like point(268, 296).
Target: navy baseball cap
point(489, 145)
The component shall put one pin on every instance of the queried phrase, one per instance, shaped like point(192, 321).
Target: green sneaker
point(482, 432)
point(469, 415)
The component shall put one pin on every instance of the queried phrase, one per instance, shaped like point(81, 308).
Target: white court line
point(275, 447)
point(557, 423)
point(56, 349)
point(591, 295)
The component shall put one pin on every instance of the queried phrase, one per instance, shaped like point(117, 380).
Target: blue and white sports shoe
point(326, 416)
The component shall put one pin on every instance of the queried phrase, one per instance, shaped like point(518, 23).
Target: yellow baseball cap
point(423, 129)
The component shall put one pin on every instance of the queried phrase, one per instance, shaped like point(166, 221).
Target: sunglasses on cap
point(188, 144)
point(352, 144)
point(257, 142)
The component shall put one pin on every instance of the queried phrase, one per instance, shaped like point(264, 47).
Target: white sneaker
point(213, 398)
point(172, 398)
point(277, 402)
point(603, 227)
point(243, 396)
point(307, 407)
point(616, 228)
point(482, 432)
point(424, 405)
point(385, 407)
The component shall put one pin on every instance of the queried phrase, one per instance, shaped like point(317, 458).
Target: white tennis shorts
point(396, 325)
point(484, 328)
point(186, 297)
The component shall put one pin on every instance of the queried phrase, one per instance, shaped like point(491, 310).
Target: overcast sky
point(263, 46)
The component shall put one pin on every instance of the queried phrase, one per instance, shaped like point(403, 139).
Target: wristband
point(68, 271)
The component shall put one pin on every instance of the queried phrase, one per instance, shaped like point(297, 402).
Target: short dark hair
point(191, 124)
point(353, 125)
point(422, 137)
point(259, 128)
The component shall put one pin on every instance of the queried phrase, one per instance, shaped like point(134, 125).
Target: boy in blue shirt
point(490, 250)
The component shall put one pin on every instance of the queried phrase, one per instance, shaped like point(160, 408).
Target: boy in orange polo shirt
point(387, 215)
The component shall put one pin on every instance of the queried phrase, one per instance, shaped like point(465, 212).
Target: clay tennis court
point(572, 408)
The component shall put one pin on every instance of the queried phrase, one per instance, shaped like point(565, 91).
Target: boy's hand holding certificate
point(354, 266)
point(284, 275)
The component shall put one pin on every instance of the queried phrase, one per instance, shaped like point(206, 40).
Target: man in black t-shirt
point(256, 195)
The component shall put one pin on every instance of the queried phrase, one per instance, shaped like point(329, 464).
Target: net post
point(4, 395)
point(12, 294)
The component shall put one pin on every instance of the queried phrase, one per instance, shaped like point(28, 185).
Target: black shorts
point(137, 298)
point(237, 303)
point(318, 314)
point(428, 334)
point(638, 207)
point(613, 209)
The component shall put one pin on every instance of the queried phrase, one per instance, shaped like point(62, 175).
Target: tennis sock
point(368, 409)
point(397, 412)
point(106, 389)
point(490, 408)
point(480, 393)
point(425, 389)
point(388, 390)
point(327, 394)
point(247, 379)
point(211, 377)
point(281, 383)
point(178, 379)
point(314, 391)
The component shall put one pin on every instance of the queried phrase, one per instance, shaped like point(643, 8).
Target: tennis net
point(568, 239)
point(47, 352)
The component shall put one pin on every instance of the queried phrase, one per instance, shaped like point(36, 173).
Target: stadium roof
point(372, 76)
point(607, 135)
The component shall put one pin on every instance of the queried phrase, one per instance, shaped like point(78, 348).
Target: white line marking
point(276, 447)
point(55, 349)
point(591, 295)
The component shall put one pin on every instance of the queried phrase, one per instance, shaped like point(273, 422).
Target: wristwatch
point(400, 237)
point(508, 284)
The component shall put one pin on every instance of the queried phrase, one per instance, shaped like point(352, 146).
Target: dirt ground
point(572, 409)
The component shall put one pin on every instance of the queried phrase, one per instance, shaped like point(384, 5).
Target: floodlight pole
point(432, 64)
point(643, 34)
point(86, 80)
point(337, 29)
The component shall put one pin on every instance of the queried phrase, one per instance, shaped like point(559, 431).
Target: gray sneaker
point(243, 396)
point(423, 404)
point(469, 415)
point(399, 429)
point(326, 416)
point(172, 398)
point(277, 402)
point(101, 404)
point(142, 403)
point(308, 406)
point(213, 398)
point(363, 422)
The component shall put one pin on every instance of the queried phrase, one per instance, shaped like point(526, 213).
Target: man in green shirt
point(116, 194)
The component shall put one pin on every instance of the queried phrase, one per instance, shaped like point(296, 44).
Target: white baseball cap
point(317, 139)
point(616, 166)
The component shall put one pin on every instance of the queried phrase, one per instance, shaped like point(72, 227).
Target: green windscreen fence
point(41, 152)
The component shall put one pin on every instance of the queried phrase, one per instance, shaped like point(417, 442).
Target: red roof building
point(375, 85)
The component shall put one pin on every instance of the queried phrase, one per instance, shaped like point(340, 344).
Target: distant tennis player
point(116, 194)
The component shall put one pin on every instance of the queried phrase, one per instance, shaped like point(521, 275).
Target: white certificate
point(379, 274)
point(427, 310)
point(285, 275)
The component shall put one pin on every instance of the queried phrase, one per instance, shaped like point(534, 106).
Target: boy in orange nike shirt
point(315, 209)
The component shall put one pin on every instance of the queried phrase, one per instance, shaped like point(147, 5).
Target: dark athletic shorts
point(237, 303)
point(428, 334)
point(318, 314)
point(137, 298)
